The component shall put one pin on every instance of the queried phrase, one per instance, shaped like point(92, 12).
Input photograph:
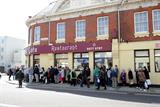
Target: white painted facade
point(8, 46)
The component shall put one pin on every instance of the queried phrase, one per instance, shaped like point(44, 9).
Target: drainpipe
point(49, 31)
point(119, 27)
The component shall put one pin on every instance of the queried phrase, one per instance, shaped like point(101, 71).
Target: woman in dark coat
point(130, 77)
point(20, 77)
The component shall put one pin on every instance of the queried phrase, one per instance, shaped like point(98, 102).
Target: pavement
point(51, 86)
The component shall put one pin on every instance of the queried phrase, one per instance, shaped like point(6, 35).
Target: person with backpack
point(73, 78)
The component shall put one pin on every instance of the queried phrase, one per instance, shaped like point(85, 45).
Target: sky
point(14, 13)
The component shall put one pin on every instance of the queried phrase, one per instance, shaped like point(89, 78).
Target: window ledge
point(60, 41)
point(156, 33)
point(80, 39)
point(102, 37)
point(36, 43)
point(141, 34)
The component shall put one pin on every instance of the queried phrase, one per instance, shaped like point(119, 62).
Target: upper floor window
point(30, 36)
point(80, 28)
point(37, 34)
point(141, 22)
point(102, 25)
point(60, 31)
point(156, 20)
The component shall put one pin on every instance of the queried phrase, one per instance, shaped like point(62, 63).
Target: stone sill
point(141, 34)
point(80, 39)
point(102, 37)
point(156, 33)
point(60, 41)
point(36, 43)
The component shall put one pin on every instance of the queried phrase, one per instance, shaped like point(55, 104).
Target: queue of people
point(105, 77)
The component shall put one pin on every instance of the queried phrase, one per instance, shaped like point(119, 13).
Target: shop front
point(72, 55)
point(136, 55)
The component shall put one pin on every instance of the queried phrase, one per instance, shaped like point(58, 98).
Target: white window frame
point(84, 36)
point(107, 28)
point(64, 30)
point(155, 32)
point(37, 35)
point(30, 35)
point(141, 33)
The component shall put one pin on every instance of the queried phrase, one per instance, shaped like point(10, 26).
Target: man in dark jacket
point(20, 77)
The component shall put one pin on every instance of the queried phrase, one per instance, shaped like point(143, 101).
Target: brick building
point(118, 32)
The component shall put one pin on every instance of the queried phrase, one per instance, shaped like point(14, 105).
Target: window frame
point(153, 25)
point(135, 22)
point(30, 35)
point(77, 29)
point(36, 36)
point(155, 60)
point(107, 33)
point(141, 57)
point(57, 33)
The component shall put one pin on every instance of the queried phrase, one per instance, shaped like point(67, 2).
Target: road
point(12, 96)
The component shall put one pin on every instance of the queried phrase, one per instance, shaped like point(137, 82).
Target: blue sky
point(14, 13)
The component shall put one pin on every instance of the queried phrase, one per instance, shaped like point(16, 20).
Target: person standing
point(10, 72)
point(96, 74)
point(30, 72)
point(130, 77)
point(20, 77)
point(73, 78)
point(109, 79)
point(123, 77)
point(36, 73)
point(146, 72)
point(141, 78)
point(102, 78)
point(114, 76)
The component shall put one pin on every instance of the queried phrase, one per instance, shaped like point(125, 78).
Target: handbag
point(145, 85)
point(98, 80)
point(148, 81)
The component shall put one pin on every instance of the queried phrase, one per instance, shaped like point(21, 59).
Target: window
point(60, 31)
point(157, 60)
point(142, 59)
point(30, 36)
point(61, 60)
point(80, 28)
point(81, 59)
point(102, 26)
point(156, 20)
point(37, 34)
point(141, 22)
point(103, 58)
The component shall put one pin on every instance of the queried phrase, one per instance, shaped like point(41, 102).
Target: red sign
point(76, 47)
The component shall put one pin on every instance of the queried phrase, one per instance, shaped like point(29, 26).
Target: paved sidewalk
point(92, 88)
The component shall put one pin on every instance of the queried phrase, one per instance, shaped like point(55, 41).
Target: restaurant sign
point(76, 47)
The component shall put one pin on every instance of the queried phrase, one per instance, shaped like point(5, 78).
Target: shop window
point(157, 60)
point(61, 60)
point(81, 59)
point(142, 59)
point(103, 58)
point(36, 60)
